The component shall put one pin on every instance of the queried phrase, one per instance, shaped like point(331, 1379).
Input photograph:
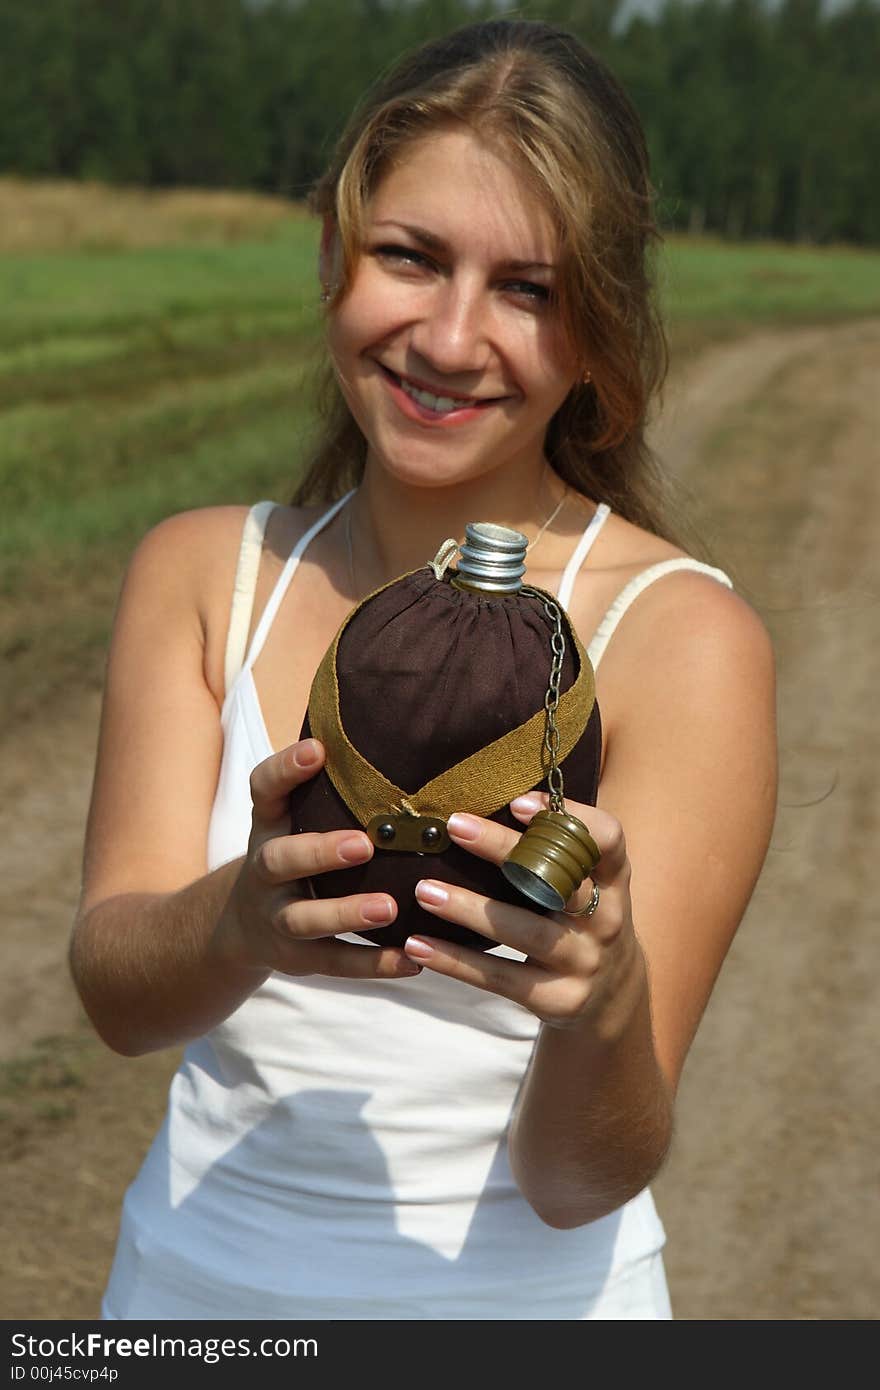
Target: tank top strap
point(637, 585)
point(283, 582)
point(244, 588)
point(580, 553)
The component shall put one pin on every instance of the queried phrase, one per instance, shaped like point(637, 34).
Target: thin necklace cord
point(348, 542)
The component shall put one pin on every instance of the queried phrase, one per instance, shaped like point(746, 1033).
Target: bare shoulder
point(687, 615)
point(196, 552)
point(685, 632)
point(690, 601)
point(186, 565)
point(212, 533)
point(190, 546)
point(624, 549)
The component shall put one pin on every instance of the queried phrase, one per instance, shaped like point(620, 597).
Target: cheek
point(368, 312)
point(540, 353)
point(554, 352)
point(357, 327)
point(344, 343)
point(340, 337)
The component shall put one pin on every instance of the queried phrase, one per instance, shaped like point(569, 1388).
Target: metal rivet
point(430, 835)
point(386, 831)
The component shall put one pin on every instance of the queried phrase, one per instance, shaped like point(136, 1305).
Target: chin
point(431, 478)
point(428, 468)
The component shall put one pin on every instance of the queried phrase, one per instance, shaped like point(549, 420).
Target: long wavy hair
point(552, 108)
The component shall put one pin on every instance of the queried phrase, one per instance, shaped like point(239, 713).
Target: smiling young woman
point(429, 1131)
point(451, 361)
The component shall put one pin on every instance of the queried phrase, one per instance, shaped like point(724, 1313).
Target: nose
point(451, 334)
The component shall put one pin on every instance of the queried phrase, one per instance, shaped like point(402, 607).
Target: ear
point(329, 255)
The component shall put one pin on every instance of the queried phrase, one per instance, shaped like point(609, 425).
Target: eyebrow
point(431, 242)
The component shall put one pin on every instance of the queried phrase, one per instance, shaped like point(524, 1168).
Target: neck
point(395, 527)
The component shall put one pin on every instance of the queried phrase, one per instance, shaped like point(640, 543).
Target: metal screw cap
point(492, 558)
point(551, 859)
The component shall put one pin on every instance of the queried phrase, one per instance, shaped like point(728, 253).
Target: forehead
point(465, 192)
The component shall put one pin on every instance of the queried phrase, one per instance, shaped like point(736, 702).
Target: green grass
point(133, 384)
point(138, 382)
point(738, 286)
point(82, 292)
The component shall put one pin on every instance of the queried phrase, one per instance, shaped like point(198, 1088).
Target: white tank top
point(337, 1149)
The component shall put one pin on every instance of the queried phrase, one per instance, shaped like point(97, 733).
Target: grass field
point(155, 354)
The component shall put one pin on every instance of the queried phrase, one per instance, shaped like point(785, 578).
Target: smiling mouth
point(441, 405)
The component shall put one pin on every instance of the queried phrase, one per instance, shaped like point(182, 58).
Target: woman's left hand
point(576, 965)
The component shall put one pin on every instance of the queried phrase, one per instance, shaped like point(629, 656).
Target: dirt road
point(770, 1196)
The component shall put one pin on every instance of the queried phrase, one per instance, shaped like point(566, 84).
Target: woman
point(429, 1131)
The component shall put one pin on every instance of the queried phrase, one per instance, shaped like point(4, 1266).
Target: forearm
point(594, 1118)
point(155, 969)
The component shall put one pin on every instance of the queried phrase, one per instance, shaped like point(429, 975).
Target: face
point(448, 345)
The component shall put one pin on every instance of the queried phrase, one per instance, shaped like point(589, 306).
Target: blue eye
point(403, 254)
point(529, 290)
point(395, 254)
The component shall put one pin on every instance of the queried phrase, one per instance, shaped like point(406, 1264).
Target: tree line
point(763, 119)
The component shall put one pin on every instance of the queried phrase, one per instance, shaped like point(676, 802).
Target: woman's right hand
point(271, 922)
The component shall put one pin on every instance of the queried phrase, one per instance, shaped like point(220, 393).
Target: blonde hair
point(553, 108)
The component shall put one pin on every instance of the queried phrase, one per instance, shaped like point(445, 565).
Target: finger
point(343, 960)
point(484, 838)
point(579, 901)
point(515, 980)
point(607, 919)
point(557, 942)
point(489, 840)
point(605, 829)
point(274, 779)
point(285, 858)
point(310, 919)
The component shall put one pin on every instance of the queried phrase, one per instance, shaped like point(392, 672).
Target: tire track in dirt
point(700, 396)
point(45, 783)
point(770, 1195)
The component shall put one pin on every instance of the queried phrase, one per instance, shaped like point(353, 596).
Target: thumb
point(274, 779)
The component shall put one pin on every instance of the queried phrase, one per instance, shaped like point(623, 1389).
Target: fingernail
point(415, 946)
point(433, 893)
point(379, 910)
point(464, 826)
point(306, 753)
point(526, 804)
point(354, 850)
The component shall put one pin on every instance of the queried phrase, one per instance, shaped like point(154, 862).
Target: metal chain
point(551, 699)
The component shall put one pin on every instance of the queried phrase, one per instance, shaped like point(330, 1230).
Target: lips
point(457, 400)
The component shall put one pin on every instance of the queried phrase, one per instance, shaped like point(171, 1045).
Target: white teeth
point(442, 404)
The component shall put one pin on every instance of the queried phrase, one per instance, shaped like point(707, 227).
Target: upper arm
point(690, 772)
point(160, 741)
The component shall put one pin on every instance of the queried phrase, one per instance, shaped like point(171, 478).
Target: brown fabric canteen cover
point(428, 675)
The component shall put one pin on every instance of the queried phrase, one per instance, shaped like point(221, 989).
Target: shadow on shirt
point(338, 1241)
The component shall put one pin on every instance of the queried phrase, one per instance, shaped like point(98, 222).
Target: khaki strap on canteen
point(481, 783)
